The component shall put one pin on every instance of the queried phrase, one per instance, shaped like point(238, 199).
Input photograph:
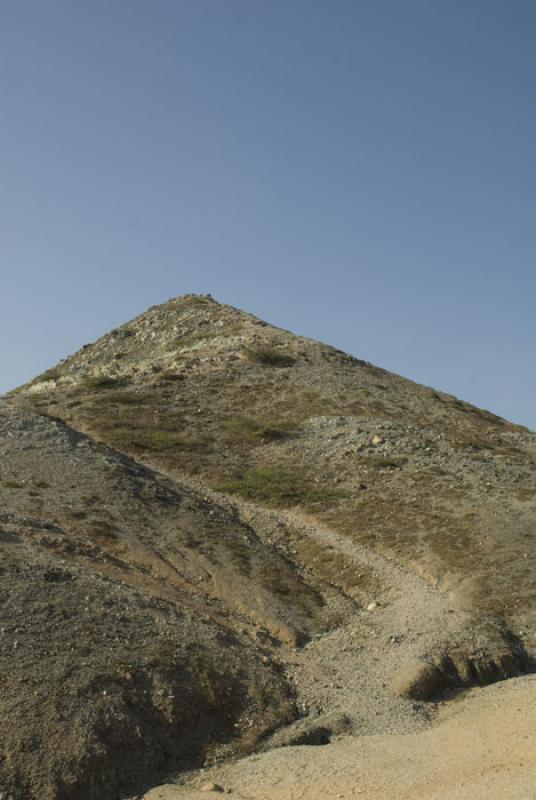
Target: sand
point(482, 747)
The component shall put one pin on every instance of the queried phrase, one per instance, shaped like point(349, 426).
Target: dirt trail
point(348, 670)
point(343, 676)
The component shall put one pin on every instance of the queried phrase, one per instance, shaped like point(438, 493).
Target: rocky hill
point(134, 619)
point(241, 527)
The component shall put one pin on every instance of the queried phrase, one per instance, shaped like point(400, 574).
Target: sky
point(359, 171)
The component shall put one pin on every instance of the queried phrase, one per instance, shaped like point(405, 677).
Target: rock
point(311, 731)
point(372, 606)
point(376, 440)
point(418, 680)
point(212, 787)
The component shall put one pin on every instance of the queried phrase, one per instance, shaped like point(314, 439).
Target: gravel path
point(347, 671)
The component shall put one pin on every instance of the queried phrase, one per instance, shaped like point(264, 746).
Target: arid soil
point(219, 538)
point(481, 748)
point(124, 651)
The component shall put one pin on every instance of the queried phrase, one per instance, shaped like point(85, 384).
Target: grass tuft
point(252, 430)
point(280, 486)
point(102, 382)
point(153, 440)
point(383, 462)
point(11, 484)
point(269, 357)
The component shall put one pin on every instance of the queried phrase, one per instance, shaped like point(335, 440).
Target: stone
point(418, 680)
point(212, 787)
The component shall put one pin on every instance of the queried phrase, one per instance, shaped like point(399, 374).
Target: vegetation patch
point(280, 486)
point(269, 357)
point(48, 375)
point(184, 342)
point(11, 484)
point(525, 494)
point(129, 398)
point(252, 430)
point(154, 440)
point(122, 333)
point(102, 382)
point(383, 462)
point(170, 376)
point(474, 443)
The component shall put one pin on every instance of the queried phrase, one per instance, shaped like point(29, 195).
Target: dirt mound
point(136, 618)
point(104, 691)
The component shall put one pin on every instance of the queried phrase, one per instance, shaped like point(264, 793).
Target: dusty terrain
point(482, 748)
point(220, 538)
point(124, 654)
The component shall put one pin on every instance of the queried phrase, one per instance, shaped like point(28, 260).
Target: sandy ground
point(482, 748)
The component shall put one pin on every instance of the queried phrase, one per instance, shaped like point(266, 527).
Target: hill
point(134, 619)
point(365, 543)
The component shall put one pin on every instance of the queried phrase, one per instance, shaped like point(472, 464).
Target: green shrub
point(128, 398)
point(184, 342)
point(169, 376)
point(269, 357)
point(280, 486)
point(48, 375)
point(383, 462)
point(153, 439)
point(122, 333)
point(102, 382)
point(254, 431)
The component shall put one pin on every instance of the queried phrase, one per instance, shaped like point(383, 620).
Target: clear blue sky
point(359, 171)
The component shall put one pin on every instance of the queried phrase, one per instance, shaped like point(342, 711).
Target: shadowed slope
point(131, 612)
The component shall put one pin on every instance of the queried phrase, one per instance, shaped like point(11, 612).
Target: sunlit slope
point(198, 388)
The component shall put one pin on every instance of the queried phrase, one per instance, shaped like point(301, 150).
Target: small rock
point(372, 606)
point(376, 440)
point(212, 787)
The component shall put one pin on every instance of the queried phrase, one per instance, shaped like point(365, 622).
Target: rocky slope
point(133, 619)
point(367, 544)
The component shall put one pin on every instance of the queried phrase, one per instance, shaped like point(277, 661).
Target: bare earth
point(481, 749)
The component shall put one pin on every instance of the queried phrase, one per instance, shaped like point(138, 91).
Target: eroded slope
point(134, 618)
